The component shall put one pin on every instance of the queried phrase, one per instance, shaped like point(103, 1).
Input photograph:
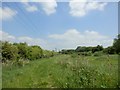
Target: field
point(64, 71)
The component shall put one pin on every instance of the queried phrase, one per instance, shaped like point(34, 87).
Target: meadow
point(63, 71)
point(57, 44)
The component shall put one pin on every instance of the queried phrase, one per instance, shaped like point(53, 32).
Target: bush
point(47, 53)
point(119, 53)
point(74, 55)
point(85, 53)
point(99, 53)
point(22, 62)
point(109, 50)
point(34, 52)
point(88, 53)
point(22, 50)
point(17, 51)
point(9, 52)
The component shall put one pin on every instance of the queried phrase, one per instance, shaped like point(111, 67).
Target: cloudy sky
point(59, 24)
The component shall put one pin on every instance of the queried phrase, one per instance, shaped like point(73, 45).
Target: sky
point(61, 25)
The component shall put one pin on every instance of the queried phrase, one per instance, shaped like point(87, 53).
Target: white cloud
point(70, 34)
point(30, 41)
point(28, 7)
point(70, 39)
point(24, 0)
point(6, 37)
point(33, 41)
point(49, 7)
point(7, 13)
point(31, 8)
point(79, 8)
point(73, 38)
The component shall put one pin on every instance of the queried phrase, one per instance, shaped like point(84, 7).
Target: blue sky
point(53, 25)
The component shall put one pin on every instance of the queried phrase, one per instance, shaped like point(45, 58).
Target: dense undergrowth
point(63, 71)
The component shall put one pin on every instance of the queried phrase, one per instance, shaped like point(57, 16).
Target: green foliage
point(9, 51)
point(87, 49)
point(83, 49)
point(109, 50)
point(47, 53)
point(89, 53)
point(97, 48)
point(35, 52)
point(74, 55)
point(116, 44)
point(22, 62)
point(79, 69)
point(115, 48)
point(63, 71)
point(22, 50)
point(18, 51)
point(70, 51)
point(99, 53)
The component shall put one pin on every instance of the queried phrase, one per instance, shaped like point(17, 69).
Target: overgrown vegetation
point(82, 50)
point(17, 51)
point(83, 67)
point(64, 71)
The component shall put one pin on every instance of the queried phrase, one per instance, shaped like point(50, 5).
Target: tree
point(109, 50)
point(9, 51)
point(35, 52)
point(116, 44)
point(80, 49)
point(47, 53)
point(97, 48)
point(22, 50)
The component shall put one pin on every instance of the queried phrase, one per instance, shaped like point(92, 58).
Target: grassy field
point(64, 71)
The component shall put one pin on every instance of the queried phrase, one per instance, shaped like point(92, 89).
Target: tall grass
point(64, 71)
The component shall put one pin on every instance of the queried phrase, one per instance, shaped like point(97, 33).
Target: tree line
point(16, 51)
point(114, 49)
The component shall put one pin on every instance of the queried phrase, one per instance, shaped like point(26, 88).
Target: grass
point(64, 71)
point(0, 75)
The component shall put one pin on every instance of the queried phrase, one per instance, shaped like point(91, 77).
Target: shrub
point(109, 50)
point(99, 53)
point(22, 50)
point(47, 54)
point(22, 62)
point(34, 52)
point(85, 53)
point(9, 52)
point(74, 55)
